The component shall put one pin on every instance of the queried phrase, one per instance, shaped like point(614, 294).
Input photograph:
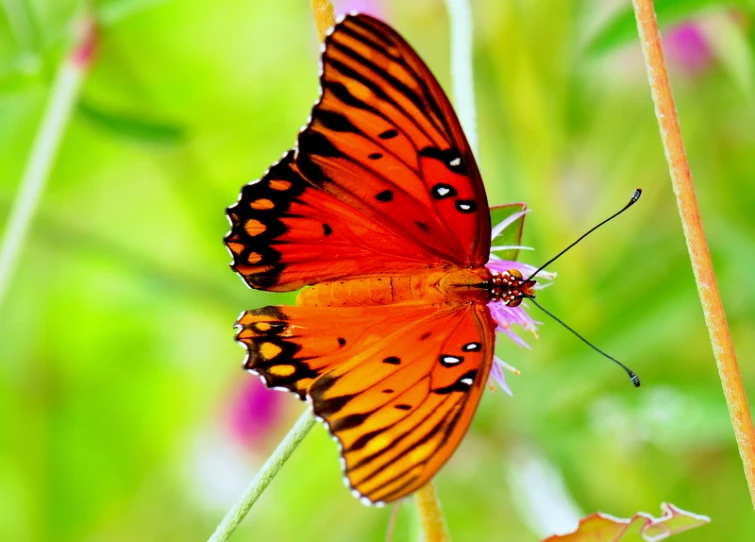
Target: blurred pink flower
point(685, 45)
point(376, 8)
point(255, 410)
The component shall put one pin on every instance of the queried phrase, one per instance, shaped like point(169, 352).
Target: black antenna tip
point(635, 379)
point(636, 195)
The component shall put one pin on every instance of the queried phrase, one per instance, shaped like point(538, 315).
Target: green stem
point(263, 478)
point(460, 20)
point(63, 97)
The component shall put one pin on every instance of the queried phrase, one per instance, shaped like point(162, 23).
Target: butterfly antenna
point(630, 372)
point(635, 197)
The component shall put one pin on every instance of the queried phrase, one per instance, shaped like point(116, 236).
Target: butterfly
point(381, 212)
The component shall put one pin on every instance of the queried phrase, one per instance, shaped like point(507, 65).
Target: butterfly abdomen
point(436, 287)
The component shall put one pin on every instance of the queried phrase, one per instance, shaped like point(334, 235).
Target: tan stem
point(431, 515)
point(325, 16)
point(702, 266)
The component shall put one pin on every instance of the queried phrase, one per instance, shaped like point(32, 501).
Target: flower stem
point(460, 20)
point(681, 179)
point(325, 16)
point(431, 515)
point(64, 94)
point(263, 478)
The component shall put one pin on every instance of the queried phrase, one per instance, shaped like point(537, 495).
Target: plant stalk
point(702, 266)
point(461, 28)
point(64, 94)
point(325, 16)
point(263, 478)
point(431, 515)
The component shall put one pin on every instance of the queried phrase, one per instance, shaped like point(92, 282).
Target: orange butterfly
point(382, 211)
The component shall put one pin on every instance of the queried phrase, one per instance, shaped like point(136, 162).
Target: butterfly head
point(510, 287)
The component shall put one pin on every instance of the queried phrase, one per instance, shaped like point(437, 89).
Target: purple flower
point(685, 45)
point(254, 411)
point(508, 317)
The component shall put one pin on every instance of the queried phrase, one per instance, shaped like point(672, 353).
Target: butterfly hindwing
point(396, 385)
point(292, 346)
point(400, 408)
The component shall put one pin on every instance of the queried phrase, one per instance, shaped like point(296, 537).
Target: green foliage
point(118, 368)
point(622, 27)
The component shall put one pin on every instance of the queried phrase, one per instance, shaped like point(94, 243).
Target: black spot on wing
point(336, 121)
point(388, 134)
point(449, 361)
point(466, 206)
point(442, 191)
point(392, 360)
point(385, 195)
point(451, 158)
point(463, 383)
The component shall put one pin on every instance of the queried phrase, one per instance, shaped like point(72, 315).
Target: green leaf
point(142, 129)
point(512, 234)
point(622, 28)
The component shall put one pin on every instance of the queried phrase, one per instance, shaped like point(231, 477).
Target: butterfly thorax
point(436, 287)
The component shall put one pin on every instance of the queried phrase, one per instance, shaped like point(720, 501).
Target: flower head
point(506, 238)
point(255, 410)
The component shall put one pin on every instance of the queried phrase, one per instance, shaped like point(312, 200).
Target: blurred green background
point(124, 414)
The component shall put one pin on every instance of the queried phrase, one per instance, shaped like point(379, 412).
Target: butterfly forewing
point(384, 138)
point(286, 233)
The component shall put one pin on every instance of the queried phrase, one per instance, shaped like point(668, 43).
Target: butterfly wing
point(384, 137)
point(396, 385)
point(286, 234)
point(383, 180)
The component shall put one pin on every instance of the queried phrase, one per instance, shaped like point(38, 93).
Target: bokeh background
point(124, 414)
